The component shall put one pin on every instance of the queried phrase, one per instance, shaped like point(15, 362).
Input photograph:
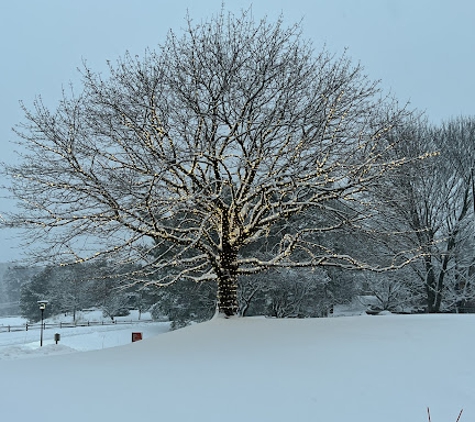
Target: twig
point(458, 417)
point(460, 414)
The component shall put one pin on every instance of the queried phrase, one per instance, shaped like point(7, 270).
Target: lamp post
point(42, 304)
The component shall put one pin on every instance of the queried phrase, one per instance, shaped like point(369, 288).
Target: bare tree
point(185, 159)
point(392, 291)
point(431, 203)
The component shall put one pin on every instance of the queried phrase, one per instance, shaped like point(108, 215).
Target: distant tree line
point(77, 287)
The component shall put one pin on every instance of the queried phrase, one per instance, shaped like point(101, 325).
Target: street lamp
point(42, 304)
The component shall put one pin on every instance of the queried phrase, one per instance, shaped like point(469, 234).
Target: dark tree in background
point(431, 203)
point(37, 289)
point(184, 160)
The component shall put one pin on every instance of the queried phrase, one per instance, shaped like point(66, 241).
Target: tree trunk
point(440, 282)
point(227, 281)
point(431, 288)
point(227, 295)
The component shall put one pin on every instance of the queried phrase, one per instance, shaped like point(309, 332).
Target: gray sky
point(423, 51)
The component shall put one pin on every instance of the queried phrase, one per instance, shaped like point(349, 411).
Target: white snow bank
point(383, 368)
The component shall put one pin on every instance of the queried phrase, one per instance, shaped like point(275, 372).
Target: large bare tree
point(431, 204)
point(187, 159)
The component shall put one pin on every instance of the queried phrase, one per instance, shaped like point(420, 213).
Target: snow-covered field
point(384, 368)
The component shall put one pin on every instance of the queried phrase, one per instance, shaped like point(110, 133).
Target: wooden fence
point(37, 326)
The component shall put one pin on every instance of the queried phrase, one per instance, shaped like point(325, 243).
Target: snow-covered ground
point(350, 369)
point(25, 344)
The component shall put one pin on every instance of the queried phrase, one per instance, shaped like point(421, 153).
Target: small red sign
point(136, 337)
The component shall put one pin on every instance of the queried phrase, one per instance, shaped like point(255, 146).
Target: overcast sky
point(421, 50)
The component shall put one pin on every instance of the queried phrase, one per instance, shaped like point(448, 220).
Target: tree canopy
point(187, 159)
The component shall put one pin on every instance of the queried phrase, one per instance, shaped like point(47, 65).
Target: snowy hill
point(383, 368)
